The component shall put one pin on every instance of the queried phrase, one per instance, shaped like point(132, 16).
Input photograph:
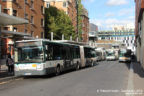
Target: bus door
point(66, 57)
point(87, 52)
point(82, 56)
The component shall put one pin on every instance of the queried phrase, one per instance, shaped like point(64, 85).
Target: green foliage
point(80, 9)
point(59, 23)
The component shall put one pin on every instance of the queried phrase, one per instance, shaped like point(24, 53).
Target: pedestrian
point(10, 64)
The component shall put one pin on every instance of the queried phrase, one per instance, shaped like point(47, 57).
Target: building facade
point(139, 31)
point(68, 6)
point(5, 44)
point(31, 10)
point(85, 25)
point(93, 32)
point(124, 37)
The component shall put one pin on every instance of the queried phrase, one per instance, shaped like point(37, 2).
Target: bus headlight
point(16, 68)
point(40, 67)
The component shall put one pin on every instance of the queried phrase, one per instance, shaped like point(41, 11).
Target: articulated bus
point(42, 57)
point(88, 56)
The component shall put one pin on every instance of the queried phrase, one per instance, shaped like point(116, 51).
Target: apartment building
point(68, 6)
point(31, 10)
point(85, 25)
point(6, 45)
point(139, 30)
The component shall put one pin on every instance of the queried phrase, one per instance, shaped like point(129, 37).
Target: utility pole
point(70, 38)
point(62, 36)
point(51, 36)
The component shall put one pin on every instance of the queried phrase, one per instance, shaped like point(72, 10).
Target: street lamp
point(77, 8)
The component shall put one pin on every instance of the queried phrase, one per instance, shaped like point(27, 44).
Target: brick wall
point(21, 8)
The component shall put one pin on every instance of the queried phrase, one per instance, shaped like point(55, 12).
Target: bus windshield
point(122, 54)
point(31, 54)
point(125, 53)
point(110, 53)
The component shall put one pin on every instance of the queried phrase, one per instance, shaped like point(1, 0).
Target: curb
point(9, 78)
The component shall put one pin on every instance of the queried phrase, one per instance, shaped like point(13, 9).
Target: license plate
point(28, 74)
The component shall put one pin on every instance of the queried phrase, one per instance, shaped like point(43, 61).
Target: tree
point(80, 12)
point(59, 23)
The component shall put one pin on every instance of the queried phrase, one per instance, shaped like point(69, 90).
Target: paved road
point(107, 78)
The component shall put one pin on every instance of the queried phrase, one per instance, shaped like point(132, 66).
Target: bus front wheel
point(57, 70)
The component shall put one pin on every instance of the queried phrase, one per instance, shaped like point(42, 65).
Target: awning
point(11, 34)
point(14, 33)
point(6, 19)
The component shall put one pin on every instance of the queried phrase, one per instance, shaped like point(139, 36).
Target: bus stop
point(6, 19)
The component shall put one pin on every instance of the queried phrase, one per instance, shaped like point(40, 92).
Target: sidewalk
point(4, 70)
point(138, 78)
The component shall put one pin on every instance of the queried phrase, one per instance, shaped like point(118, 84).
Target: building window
point(26, 16)
point(5, 28)
point(32, 33)
point(42, 34)
point(42, 22)
point(47, 4)
point(64, 4)
point(5, 11)
point(25, 30)
point(14, 1)
point(14, 12)
point(32, 4)
point(32, 20)
point(14, 29)
point(26, 1)
point(42, 9)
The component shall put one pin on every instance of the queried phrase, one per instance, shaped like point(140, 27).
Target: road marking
point(8, 81)
point(3, 83)
point(130, 86)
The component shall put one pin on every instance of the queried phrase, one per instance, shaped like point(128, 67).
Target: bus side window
point(72, 52)
point(63, 53)
point(57, 52)
point(49, 53)
point(77, 53)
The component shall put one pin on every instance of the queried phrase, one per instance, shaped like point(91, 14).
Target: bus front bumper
point(30, 73)
point(124, 59)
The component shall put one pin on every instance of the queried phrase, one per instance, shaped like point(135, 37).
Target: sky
point(107, 13)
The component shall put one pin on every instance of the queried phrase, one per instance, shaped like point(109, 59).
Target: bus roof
point(34, 40)
point(46, 40)
point(71, 42)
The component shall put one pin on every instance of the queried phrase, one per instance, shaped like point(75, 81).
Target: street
point(108, 78)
